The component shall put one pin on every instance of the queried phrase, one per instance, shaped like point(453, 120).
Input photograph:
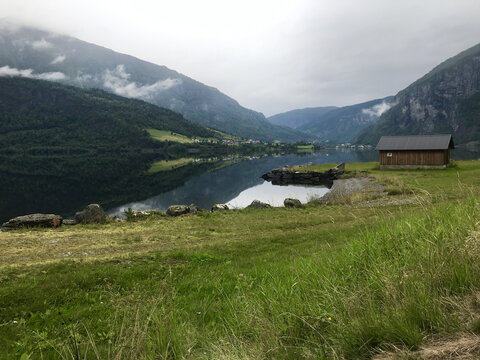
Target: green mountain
point(334, 124)
point(39, 116)
point(299, 117)
point(34, 53)
point(446, 100)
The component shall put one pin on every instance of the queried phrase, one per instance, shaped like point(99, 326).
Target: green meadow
point(350, 281)
point(165, 135)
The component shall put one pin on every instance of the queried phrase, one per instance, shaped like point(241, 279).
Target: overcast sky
point(273, 55)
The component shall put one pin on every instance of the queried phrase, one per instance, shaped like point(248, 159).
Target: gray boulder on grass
point(194, 209)
point(293, 203)
point(69, 222)
point(257, 204)
point(219, 207)
point(33, 220)
point(177, 210)
point(93, 213)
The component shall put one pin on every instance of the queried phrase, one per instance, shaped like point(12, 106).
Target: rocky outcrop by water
point(292, 203)
point(286, 176)
point(257, 204)
point(177, 210)
point(92, 213)
point(219, 207)
point(33, 220)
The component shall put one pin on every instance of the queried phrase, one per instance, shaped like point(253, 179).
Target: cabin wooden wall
point(415, 157)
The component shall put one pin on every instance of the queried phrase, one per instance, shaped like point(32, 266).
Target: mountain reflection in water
point(226, 184)
point(66, 184)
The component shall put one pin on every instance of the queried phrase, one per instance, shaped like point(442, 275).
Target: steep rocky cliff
point(446, 100)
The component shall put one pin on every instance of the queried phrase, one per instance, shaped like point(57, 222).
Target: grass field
point(166, 135)
point(323, 282)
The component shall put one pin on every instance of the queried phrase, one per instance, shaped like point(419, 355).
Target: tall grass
point(389, 288)
point(393, 283)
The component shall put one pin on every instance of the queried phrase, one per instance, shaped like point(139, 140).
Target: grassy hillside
point(344, 281)
point(165, 135)
point(41, 114)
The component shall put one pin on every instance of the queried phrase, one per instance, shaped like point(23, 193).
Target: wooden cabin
point(415, 152)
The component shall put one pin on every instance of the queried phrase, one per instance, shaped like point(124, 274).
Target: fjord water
point(64, 185)
point(237, 184)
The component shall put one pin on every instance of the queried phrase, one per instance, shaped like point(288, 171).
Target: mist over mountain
point(334, 124)
point(445, 100)
point(33, 53)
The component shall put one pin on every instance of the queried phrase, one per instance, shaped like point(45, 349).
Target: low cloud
point(7, 71)
point(59, 59)
point(118, 80)
point(85, 79)
point(41, 44)
point(377, 110)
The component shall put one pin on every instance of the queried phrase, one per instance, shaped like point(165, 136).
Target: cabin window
point(389, 154)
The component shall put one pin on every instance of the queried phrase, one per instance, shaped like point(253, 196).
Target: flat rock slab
point(33, 220)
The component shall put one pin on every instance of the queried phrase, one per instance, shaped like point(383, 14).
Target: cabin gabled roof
point(416, 142)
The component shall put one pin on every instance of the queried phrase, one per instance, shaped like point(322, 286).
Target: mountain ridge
point(445, 100)
point(298, 117)
point(75, 62)
point(335, 124)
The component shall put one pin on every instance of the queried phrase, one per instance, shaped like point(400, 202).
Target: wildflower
point(329, 318)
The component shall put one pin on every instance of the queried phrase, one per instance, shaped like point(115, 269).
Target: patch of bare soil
point(465, 347)
point(462, 347)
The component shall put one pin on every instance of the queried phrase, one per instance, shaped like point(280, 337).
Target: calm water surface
point(274, 194)
point(239, 184)
point(64, 185)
